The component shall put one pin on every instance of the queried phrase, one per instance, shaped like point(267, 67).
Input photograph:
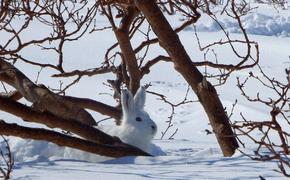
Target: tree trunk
point(205, 92)
point(122, 34)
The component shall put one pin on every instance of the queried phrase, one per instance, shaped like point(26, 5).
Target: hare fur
point(137, 128)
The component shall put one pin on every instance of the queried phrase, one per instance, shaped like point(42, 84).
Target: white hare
point(137, 128)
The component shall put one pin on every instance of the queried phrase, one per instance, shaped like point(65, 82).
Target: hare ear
point(139, 98)
point(127, 101)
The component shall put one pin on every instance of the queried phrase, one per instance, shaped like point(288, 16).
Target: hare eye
point(138, 119)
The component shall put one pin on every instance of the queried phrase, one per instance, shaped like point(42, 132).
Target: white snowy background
point(192, 154)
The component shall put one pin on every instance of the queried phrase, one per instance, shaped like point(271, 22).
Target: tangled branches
point(7, 160)
point(273, 142)
point(128, 60)
point(173, 109)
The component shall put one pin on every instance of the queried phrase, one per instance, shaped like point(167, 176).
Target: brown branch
point(88, 72)
point(118, 149)
point(52, 121)
point(123, 37)
point(173, 108)
point(8, 161)
point(96, 106)
point(146, 68)
point(278, 148)
point(42, 98)
point(60, 16)
point(122, 2)
point(155, 40)
point(14, 95)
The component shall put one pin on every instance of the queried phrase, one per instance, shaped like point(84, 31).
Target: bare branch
point(118, 149)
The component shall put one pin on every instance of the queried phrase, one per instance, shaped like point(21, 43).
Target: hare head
point(137, 128)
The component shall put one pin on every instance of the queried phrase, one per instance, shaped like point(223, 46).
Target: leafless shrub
point(68, 21)
point(7, 161)
point(277, 3)
point(273, 141)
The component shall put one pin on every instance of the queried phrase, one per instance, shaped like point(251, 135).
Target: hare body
point(137, 128)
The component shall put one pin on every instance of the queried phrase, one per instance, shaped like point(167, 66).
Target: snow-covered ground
point(261, 20)
point(192, 154)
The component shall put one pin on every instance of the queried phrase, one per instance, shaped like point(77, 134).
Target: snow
point(181, 162)
point(192, 154)
point(256, 22)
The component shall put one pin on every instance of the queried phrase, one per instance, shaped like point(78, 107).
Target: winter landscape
point(189, 148)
